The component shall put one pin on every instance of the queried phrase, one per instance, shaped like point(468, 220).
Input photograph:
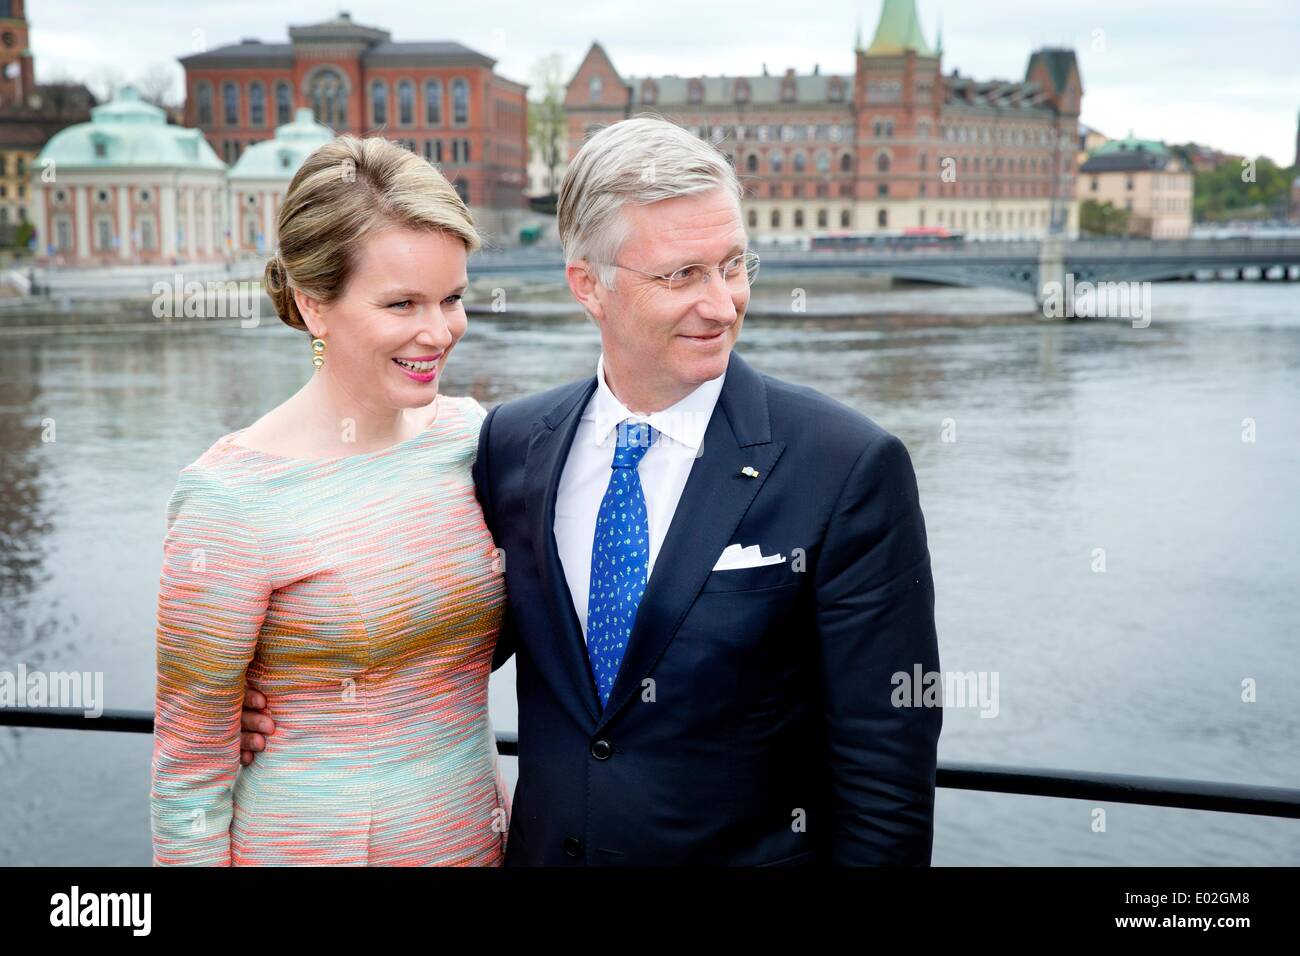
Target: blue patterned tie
point(620, 554)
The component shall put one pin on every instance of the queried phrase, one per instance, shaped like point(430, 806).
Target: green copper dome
point(1130, 144)
point(899, 30)
point(280, 158)
point(128, 133)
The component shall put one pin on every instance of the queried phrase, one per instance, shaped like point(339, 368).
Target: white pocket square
point(734, 557)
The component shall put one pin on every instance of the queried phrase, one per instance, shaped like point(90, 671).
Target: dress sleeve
point(476, 411)
point(212, 602)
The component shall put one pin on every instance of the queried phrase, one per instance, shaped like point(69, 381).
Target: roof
point(675, 90)
point(129, 132)
point(340, 28)
point(279, 158)
point(899, 30)
point(243, 50)
point(962, 91)
point(1128, 155)
point(1058, 61)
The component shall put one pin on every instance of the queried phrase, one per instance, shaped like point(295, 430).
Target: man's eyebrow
point(736, 249)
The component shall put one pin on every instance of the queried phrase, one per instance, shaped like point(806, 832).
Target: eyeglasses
point(737, 273)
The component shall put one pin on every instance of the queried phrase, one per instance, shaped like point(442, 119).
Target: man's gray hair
point(641, 160)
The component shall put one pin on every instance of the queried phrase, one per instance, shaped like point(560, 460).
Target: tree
point(106, 81)
point(547, 130)
point(1102, 219)
point(1240, 191)
point(156, 84)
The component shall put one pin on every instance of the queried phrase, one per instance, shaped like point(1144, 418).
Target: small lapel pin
point(749, 472)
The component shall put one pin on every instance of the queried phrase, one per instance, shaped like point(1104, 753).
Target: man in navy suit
point(709, 675)
point(719, 585)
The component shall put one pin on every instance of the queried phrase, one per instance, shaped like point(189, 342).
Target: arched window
point(846, 162)
point(775, 161)
point(329, 98)
point(378, 103)
point(405, 102)
point(823, 218)
point(433, 103)
point(882, 163)
point(256, 104)
point(800, 161)
point(753, 219)
point(751, 163)
point(595, 86)
point(283, 104)
point(823, 161)
point(844, 219)
point(776, 219)
point(798, 218)
point(459, 101)
point(203, 95)
point(230, 102)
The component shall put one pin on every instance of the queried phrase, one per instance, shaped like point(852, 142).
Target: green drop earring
point(318, 353)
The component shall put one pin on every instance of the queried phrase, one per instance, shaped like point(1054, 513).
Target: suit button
point(573, 846)
point(602, 749)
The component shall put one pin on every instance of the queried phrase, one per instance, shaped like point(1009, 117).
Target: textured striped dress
point(362, 595)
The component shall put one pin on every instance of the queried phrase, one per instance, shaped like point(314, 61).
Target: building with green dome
point(1142, 177)
point(902, 142)
point(259, 180)
point(128, 188)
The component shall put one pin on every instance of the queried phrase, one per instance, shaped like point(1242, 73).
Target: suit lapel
point(712, 505)
point(548, 449)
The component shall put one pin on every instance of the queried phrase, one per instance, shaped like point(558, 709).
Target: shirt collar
point(685, 422)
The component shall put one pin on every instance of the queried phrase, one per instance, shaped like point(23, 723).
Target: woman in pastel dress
point(332, 554)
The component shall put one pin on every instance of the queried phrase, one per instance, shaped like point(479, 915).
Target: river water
point(1113, 517)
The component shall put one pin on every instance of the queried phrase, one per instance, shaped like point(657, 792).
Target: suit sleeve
point(212, 602)
point(483, 489)
point(875, 620)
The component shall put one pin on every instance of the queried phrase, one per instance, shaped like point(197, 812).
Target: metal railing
point(990, 778)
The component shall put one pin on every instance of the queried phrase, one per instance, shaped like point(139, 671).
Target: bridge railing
point(989, 778)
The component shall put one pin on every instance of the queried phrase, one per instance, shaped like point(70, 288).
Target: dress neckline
point(229, 441)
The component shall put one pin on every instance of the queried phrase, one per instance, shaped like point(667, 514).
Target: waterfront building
point(127, 188)
point(30, 113)
point(260, 179)
point(897, 144)
point(1146, 179)
point(442, 100)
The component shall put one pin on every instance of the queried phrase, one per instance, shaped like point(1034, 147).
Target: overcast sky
point(1224, 74)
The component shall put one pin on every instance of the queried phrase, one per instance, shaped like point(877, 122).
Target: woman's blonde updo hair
point(345, 191)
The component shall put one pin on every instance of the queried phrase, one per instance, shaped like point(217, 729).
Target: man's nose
point(718, 300)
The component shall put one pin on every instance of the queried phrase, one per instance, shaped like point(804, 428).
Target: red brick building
point(440, 99)
point(897, 144)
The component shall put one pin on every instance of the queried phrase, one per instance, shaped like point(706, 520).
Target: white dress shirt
point(663, 472)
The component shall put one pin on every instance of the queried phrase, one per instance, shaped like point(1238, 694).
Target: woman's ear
point(311, 311)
